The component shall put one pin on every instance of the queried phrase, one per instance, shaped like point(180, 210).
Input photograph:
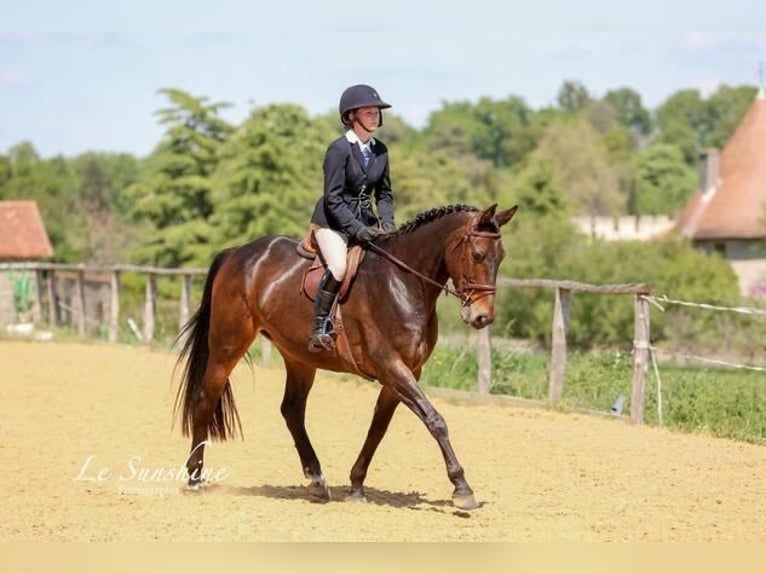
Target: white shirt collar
point(353, 138)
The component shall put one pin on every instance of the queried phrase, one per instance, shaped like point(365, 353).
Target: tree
point(630, 110)
point(174, 195)
point(572, 96)
point(270, 175)
point(726, 108)
point(582, 166)
point(683, 121)
point(6, 171)
point(663, 180)
point(52, 185)
point(423, 180)
point(538, 191)
point(501, 132)
point(102, 179)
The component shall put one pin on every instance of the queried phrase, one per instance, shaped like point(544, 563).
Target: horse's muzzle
point(477, 315)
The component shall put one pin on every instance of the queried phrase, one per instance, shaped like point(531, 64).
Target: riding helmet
point(360, 96)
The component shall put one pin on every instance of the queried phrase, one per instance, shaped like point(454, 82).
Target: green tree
point(52, 185)
point(270, 175)
point(537, 190)
point(587, 177)
point(501, 132)
point(664, 181)
point(102, 179)
point(573, 96)
point(423, 180)
point(726, 108)
point(683, 120)
point(6, 171)
point(174, 195)
point(630, 110)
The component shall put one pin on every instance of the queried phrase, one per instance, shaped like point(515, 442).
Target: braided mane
point(431, 215)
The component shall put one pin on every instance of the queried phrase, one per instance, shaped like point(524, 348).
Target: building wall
point(628, 227)
point(7, 309)
point(748, 259)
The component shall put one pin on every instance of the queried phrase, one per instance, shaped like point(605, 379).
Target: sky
point(84, 75)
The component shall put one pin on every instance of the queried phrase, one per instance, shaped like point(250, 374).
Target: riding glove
point(367, 233)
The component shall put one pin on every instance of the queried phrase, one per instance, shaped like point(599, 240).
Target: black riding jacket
point(349, 187)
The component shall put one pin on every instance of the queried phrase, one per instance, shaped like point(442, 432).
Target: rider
point(355, 170)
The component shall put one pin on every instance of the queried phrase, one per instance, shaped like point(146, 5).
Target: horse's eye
point(478, 256)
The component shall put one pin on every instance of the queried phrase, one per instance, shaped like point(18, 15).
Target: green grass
point(719, 401)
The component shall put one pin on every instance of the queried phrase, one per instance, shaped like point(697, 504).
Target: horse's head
point(473, 259)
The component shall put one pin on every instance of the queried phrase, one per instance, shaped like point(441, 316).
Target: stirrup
point(323, 336)
point(321, 341)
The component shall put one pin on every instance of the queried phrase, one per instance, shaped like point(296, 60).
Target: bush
point(548, 248)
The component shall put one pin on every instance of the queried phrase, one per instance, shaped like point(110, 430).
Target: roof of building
point(22, 231)
point(735, 208)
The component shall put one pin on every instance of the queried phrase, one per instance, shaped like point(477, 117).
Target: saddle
point(312, 276)
point(307, 248)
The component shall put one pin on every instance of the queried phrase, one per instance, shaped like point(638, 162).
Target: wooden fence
point(45, 278)
point(45, 282)
point(561, 305)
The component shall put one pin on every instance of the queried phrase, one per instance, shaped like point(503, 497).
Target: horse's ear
point(505, 216)
point(487, 216)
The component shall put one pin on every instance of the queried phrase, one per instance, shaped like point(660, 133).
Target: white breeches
point(333, 248)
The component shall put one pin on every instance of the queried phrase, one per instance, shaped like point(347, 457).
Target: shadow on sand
point(410, 500)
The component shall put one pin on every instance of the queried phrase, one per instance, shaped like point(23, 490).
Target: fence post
point(484, 358)
point(37, 306)
point(185, 298)
point(52, 307)
point(640, 358)
point(149, 307)
point(559, 345)
point(79, 293)
point(114, 307)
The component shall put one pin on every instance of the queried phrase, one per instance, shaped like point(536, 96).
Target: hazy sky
point(79, 75)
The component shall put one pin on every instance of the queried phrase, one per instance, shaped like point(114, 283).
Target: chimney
point(708, 171)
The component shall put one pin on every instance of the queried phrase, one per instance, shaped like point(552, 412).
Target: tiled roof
point(22, 231)
point(736, 207)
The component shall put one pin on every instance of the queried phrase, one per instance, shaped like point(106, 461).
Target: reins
point(464, 284)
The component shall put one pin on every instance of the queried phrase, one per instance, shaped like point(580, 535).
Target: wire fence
point(661, 303)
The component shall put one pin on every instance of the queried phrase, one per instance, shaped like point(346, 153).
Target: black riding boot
point(322, 338)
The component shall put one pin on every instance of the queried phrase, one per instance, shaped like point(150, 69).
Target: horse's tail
point(225, 423)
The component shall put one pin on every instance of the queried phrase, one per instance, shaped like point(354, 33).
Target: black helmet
point(360, 96)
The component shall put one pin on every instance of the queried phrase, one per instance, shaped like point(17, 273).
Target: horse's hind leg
point(300, 379)
point(213, 412)
point(384, 410)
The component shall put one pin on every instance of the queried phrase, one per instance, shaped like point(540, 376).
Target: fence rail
point(561, 305)
point(45, 274)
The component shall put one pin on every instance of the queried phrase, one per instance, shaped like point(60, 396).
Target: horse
point(388, 318)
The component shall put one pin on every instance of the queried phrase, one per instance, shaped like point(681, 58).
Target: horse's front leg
point(404, 384)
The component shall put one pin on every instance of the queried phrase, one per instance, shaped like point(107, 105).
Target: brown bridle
point(466, 287)
point(465, 281)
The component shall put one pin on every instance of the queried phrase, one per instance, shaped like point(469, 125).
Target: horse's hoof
point(356, 496)
point(319, 491)
point(464, 501)
point(191, 488)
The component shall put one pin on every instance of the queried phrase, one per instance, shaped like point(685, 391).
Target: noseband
point(467, 290)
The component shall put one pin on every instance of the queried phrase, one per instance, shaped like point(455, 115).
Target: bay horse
point(389, 318)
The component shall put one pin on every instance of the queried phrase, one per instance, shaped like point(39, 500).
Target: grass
point(723, 402)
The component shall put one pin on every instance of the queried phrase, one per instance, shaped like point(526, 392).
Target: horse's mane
point(428, 216)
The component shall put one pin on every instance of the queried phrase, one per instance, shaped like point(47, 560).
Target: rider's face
point(369, 117)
